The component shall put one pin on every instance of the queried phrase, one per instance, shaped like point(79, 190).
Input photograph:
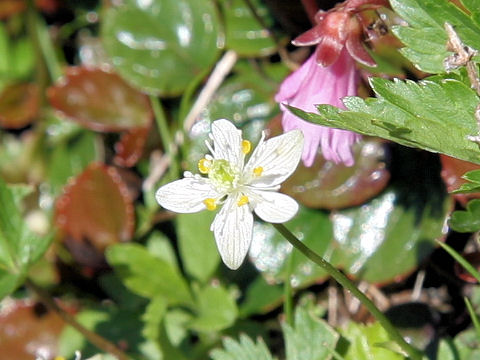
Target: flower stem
point(412, 352)
point(97, 340)
point(287, 293)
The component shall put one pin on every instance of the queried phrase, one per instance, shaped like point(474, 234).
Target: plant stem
point(97, 340)
point(167, 140)
point(412, 352)
point(287, 292)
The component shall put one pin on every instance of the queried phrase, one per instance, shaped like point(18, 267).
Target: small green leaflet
point(472, 186)
point(425, 38)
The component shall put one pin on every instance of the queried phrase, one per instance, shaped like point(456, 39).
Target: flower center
point(223, 174)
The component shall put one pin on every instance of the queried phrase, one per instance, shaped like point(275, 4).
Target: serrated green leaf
point(216, 309)
point(244, 349)
point(19, 247)
point(467, 220)
point(436, 116)
point(310, 338)
point(425, 37)
point(148, 275)
point(472, 186)
point(366, 342)
point(198, 250)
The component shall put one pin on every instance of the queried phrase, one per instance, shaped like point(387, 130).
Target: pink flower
point(311, 85)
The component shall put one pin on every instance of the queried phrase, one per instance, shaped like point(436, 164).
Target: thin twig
point(222, 69)
point(97, 340)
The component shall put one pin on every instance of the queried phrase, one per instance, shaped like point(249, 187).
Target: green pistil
point(222, 173)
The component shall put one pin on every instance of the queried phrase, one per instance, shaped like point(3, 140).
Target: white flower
point(241, 188)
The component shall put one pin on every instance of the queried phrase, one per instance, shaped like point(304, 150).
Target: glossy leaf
point(94, 212)
point(161, 45)
point(19, 105)
point(243, 349)
point(333, 186)
point(309, 338)
point(216, 309)
point(147, 275)
point(425, 37)
point(269, 251)
point(198, 250)
point(413, 114)
point(243, 32)
point(467, 220)
point(378, 241)
point(100, 100)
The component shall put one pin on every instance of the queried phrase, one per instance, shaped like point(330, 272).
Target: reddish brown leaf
point(330, 186)
point(452, 172)
point(18, 105)
point(130, 147)
point(28, 330)
point(11, 7)
point(95, 211)
point(100, 100)
point(473, 259)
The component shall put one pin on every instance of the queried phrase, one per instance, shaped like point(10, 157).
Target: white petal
point(186, 195)
point(278, 157)
point(275, 207)
point(233, 227)
point(227, 142)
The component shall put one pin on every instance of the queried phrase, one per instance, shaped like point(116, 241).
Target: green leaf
point(366, 342)
point(161, 45)
point(153, 318)
point(261, 297)
point(310, 338)
point(244, 349)
point(465, 346)
point(8, 282)
point(216, 309)
point(378, 241)
point(425, 37)
point(70, 158)
point(19, 247)
point(437, 116)
point(467, 220)
point(148, 275)
point(471, 187)
point(198, 250)
point(461, 260)
point(243, 32)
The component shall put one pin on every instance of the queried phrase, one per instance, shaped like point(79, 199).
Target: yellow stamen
point(210, 203)
point(258, 171)
point(246, 146)
point(59, 358)
point(243, 200)
point(204, 165)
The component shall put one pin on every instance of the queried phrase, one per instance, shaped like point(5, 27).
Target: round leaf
point(95, 210)
point(100, 100)
point(161, 45)
point(18, 105)
point(243, 32)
